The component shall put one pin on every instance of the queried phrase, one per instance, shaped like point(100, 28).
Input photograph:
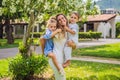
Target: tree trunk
point(26, 41)
point(9, 30)
point(1, 31)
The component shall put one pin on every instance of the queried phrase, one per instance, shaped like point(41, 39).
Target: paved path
point(97, 59)
point(89, 43)
point(11, 52)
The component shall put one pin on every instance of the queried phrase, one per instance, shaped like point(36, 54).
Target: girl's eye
point(74, 17)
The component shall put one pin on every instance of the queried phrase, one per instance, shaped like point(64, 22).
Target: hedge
point(117, 29)
point(89, 35)
point(82, 35)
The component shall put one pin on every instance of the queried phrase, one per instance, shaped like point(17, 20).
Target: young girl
point(72, 30)
point(48, 49)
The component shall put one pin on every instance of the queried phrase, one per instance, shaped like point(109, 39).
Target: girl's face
point(73, 18)
point(62, 20)
point(52, 26)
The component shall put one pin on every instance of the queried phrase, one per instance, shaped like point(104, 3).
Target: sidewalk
point(89, 43)
point(11, 52)
point(97, 59)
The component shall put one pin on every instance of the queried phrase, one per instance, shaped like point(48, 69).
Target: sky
point(92, 0)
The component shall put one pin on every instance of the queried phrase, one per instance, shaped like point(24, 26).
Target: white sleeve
point(75, 28)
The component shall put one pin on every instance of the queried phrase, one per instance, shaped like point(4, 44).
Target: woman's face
point(62, 20)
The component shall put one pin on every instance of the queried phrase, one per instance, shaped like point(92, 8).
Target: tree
point(40, 10)
point(1, 26)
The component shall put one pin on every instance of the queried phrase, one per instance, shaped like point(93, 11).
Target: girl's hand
point(59, 30)
point(66, 28)
point(64, 23)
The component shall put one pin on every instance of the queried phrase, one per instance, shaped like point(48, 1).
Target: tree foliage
point(41, 10)
point(45, 8)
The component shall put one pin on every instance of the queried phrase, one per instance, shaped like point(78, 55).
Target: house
point(104, 23)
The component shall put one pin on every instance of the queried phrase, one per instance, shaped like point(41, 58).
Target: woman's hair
point(60, 26)
point(76, 13)
point(51, 20)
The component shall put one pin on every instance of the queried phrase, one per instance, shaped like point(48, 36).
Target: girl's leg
point(51, 55)
point(67, 63)
point(67, 53)
point(58, 76)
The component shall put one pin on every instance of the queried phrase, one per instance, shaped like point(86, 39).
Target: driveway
point(11, 52)
point(89, 43)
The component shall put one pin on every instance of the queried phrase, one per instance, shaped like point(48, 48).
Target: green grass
point(4, 67)
point(107, 51)
point(80, 70)
point(3, 43)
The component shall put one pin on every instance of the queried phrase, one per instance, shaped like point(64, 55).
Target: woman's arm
point(42, 43)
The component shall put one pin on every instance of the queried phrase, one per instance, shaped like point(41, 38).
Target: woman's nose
point(62, 20)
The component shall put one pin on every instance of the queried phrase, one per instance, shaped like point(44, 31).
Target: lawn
point(80, 70)
point(108, 51)
point(3, 43)
point(4, 67)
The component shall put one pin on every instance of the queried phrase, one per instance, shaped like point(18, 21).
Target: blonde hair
point(51, 20)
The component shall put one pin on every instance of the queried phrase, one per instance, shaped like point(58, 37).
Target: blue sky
point(92, 0)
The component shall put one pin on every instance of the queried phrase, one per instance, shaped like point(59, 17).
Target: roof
point(100, 18)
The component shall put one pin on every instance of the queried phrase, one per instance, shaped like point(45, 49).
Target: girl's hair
point(76, 13)
point(51, 20)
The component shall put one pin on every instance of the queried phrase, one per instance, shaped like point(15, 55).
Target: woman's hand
point(42, 43)
point(71, 44)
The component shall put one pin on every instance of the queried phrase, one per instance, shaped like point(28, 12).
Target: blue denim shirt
point(49, 42)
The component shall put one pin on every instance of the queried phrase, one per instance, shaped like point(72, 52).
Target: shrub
point(84, 35)
point(36, 34)
point(24, 68)
point(90, 35)
point(95, 35)
point(118, 36)
point(117, 29)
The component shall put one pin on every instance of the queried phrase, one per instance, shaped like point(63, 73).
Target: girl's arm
point(55, 32)
point(69, 30)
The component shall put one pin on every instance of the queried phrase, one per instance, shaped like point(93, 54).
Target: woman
point(59, 42)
